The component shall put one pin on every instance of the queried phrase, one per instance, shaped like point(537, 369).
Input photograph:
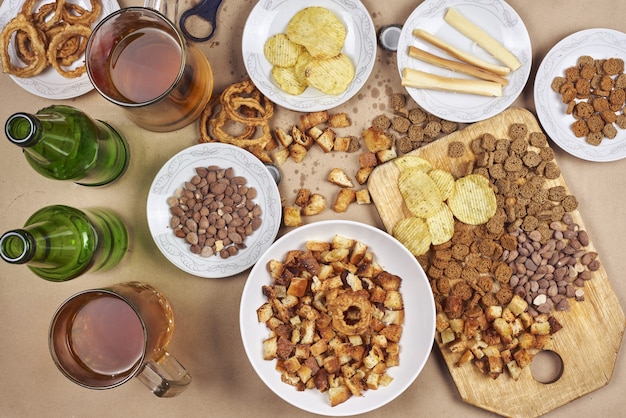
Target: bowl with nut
point(213, 209)
point(337, 318)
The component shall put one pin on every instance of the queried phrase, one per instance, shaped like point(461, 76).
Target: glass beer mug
point(102, 338)
point(138, 59)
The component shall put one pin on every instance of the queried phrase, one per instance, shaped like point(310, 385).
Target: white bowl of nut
point(213, 209)
point(337, 318)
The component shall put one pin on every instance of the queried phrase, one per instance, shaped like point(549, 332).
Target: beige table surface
point(206, 339)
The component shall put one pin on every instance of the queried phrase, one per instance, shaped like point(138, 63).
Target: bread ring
point(351, 302)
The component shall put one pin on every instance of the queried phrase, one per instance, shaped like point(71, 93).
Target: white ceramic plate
point(494, 16)
point(270, 17)
point(181, 168)
point(419, 327)
point(597, 43)
point(50, 84)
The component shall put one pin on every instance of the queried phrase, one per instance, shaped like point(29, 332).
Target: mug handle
point(170, 11)
point(165, 377)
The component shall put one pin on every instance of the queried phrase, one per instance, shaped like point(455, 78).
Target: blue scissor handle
point(205, 10)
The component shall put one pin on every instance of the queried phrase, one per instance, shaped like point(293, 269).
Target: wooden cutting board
point(592, 330)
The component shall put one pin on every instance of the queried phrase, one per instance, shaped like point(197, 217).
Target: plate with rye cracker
point(592, 329)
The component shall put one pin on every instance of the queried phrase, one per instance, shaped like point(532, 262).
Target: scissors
point(205, 10)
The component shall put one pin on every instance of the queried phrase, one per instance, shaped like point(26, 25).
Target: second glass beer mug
point(102, 338)
point(137, 59)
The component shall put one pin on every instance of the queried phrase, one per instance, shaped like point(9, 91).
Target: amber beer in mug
point(102, 338)
point(138, 59)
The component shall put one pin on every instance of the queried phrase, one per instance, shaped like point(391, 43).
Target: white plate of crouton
point(269, 18)
point(439, 38)
point(207, 257)
point(337, 318)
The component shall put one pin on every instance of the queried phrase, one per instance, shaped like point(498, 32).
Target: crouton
point(344, 198)
point(340, 178)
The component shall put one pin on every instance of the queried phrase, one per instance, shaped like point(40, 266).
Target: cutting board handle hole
point(546, 367)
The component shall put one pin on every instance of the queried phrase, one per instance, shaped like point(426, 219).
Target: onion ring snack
point(37, 45)
point(55, 34)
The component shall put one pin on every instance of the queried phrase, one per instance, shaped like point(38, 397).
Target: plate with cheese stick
point(464, 60)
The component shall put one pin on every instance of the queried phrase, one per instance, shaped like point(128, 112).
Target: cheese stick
point(456, 66)
point(422, 80)
point(482, 38)
point(459, 54)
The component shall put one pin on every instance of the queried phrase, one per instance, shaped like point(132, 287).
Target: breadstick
point(482, 38)
point(462, 55)
point(456, 66)
point(422, 80)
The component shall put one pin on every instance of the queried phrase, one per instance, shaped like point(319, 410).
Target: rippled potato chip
point(301, 65)
point(330, 76)
point(319, 30)
point(413, 233)
point(413, 161)
point(279, 50)
point(473, 200)
point(420, 192)
point(444, 181)
point(441, 225)
point(288, 81)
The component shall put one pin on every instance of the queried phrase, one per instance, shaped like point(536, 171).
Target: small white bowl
point(418, 329)
point(181, 168)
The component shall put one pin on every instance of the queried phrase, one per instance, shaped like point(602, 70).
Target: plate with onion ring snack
point(49, 65)
point(337, 318)
point(213, 209)
point(309, 55)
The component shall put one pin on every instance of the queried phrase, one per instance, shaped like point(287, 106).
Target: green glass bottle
point(59, 243)
point(63, 143)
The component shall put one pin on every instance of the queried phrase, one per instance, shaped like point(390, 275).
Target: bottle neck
point(23, 129)
point(17, 246)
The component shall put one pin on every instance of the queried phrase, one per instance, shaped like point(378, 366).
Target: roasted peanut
point(214, 212)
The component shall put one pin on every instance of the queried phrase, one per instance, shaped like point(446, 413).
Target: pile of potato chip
point(309, 54)
point(434, 198)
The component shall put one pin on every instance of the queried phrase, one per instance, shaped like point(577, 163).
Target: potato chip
point(444, 181)
point(319, 30)
point(413, 233)
point(331, 75)
point(287, 80)
point(441, 225)
point(421, 194)
point(413, 161)
point(473, 200)
point(301, 65)
point(279, 50)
